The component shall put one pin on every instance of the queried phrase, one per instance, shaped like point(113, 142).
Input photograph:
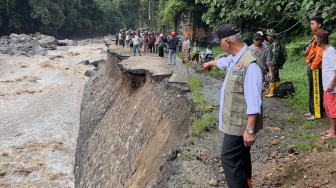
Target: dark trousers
point(161, 52)
point(236, 161)
point(151, 48)
point(311, 91)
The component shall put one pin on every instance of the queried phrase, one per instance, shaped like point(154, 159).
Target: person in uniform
point(240, 114)
point(273, 69)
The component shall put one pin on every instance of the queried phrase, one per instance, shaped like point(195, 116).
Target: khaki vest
point(234, 109)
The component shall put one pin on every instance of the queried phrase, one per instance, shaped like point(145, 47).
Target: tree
point(283, 15)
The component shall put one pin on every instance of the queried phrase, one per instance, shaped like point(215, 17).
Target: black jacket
point(173, 43)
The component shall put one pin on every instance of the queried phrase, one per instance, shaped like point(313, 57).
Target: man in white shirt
point(136, 44)
point(240, 114)
point(328, 79)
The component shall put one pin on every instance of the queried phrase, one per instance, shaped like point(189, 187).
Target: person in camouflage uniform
point(274, 46)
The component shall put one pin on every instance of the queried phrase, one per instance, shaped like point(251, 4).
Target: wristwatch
point(250, 131)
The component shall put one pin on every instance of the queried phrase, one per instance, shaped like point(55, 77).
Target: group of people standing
point(138, 40)
point(268, 52)
point(186, 46)
point(150, 43)
point(321, 68)
point(240, 114)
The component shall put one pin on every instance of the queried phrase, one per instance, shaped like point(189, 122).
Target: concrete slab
point(149, 61)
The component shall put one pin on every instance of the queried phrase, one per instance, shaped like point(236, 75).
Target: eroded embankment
point(130, 123)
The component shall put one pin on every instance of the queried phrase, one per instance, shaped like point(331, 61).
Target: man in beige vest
point(240, 114)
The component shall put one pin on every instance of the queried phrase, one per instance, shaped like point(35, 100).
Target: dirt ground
point(40, 101)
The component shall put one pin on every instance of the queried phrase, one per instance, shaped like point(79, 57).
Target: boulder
point(48, 42)
point(97, 63)
point(90, 73)
point(85, 62)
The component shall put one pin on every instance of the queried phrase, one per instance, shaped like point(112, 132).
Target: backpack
point(284, 90)
point(282, 56)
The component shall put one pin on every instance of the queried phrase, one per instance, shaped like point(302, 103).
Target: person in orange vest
point(314, 72)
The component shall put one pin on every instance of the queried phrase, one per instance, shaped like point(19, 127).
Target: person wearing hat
point(314, 65)
point(328, 79)
point(261, 50)
point(265, 42)
point(240, 114)
point(161, 45)
point(273, 70)
point(173, 42)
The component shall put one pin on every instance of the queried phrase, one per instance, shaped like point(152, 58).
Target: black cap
point(227, 30)
point(257, 36)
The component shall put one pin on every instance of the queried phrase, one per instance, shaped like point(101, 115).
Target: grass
point(303, 135)
point(198, 97)
point(302, 146)
point(290, 119)
point(207, 120)
point(295, 71)
point(307, 147)
point(204, 123)
point(332, 144)
point(309, 125)
point(188, 155)
point(216, 72)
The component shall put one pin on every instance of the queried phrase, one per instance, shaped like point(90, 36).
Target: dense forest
point(94, 17)
point(75, 17)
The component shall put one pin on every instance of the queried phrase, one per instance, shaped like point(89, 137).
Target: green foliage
point(203, 124)
point(306, 147)
point(218, 73)
point(195, 86)
point(260, 15)
point(85, 16)
point(206, 121)
point(295, 71)
point(172, 9)
point(111, 15)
